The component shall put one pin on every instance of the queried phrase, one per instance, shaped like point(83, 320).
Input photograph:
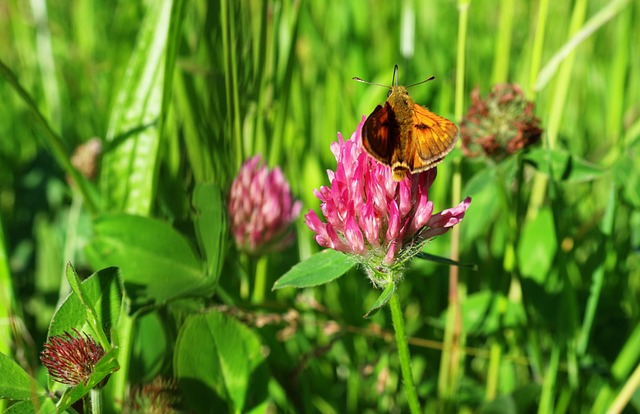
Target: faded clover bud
point(499, 125)
point(85, 157)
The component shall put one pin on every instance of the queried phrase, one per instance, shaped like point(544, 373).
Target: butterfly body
point(406, 136)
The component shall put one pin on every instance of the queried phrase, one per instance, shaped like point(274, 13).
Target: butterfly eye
point(389, 93)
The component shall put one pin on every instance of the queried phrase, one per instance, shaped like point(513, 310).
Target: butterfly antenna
point(355, 78)
point(421, 82)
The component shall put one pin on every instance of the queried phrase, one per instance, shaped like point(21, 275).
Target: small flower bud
point(71, 359)
point(261, 208)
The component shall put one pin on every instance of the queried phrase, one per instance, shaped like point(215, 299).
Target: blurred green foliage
point(551, 318)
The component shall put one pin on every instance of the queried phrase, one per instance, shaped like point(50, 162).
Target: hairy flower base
point(71, 359)
point(159, 396)
point(383, 223)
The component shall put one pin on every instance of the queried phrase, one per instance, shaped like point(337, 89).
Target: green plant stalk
point(46, 62)
point(573, 368)
point(52, 140)
point(618, 82)
point(94, 403)
point(7, 298)
point(260, 277)
point(403, 353)
point(549, 383)
point(229, 46)
point(117, 385)
point(538, 43)
point(539, 182)
point(511, 202)
point(564, 399)
point(247, 269)
point(624, 363)
point(235, 73)
point(603, 16)
point(495, 358)
point(557, 110)
point(463, 18)
point(454, 337)
point(70, 244)
point(500, 71)
point(597, 281)
point(263, 46)
point(284, 75)
point(626, 392)
point(7, 301)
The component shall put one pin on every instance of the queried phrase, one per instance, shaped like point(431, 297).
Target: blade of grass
point(625, 362)
point(538, 45)
point(501, 57)
point(454, 337)
point(46, 62)
point(549, 384)
point(7, 299)
point(597, 281)
point(556, 111)
point(626, 393)
point(284, 75)
point(618, 83)
point(228, 12)
point(130, 166)
point(131, 162)
point(52, 140)
point(603, 16)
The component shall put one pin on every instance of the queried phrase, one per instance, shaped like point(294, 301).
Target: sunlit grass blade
point(448, 374)
point(130, 164)
point(7, 299)
point(607, 13)
point(622, 367)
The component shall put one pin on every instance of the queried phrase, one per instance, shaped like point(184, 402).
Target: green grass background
point(552, 314)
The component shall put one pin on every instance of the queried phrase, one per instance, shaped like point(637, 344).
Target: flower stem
point(403, 353)
point(94, 405)
point(7, 297)
point(246, 267)
point(454, 336)
point(116, 388)
point(260, 277)
point(7, 300)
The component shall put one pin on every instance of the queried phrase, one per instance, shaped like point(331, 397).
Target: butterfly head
point(399, 98)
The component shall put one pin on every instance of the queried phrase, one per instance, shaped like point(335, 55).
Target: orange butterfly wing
point(379, 135)
point(433, 138)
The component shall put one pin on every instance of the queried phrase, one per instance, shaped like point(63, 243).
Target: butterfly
point(404, 135)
